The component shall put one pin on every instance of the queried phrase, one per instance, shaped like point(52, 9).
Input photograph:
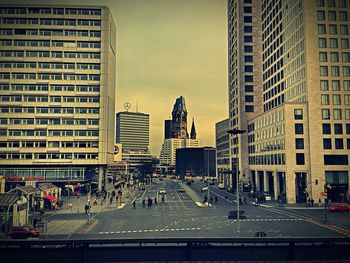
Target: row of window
point(4, 132)
point(333, 29)
point(336, 85)
point(268, 159)
point(50, 121)
point(334, 57)
point(333, 43)
point(53, 87)
point(48, 54)
point(332, 3)
point(44, 65)
point(332, 15)
point(50, 32)
point(338, 144)
point(49, 144)
point(33, 98)
point(50, 110)
point(334, 71)
point(50, 43)
point(54, 11)
point(338, 128)
point(49, 156)
point(337, 114)
point(50, 22)
point(52, 76)
point(336, 99)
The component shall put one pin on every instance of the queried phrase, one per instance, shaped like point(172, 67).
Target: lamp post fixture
point(236, 132)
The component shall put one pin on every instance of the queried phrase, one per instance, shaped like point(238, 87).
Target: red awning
point(50, 197)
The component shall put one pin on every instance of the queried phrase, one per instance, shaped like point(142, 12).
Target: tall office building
point(223, 172)
point(298, 143)
point(57, 82)
point(132, 131)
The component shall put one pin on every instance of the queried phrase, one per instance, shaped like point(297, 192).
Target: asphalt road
point(179, 216)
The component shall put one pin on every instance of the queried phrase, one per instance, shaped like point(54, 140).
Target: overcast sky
point(167, 49)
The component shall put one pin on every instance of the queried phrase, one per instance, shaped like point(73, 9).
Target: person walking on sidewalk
point(110, 200)
point(134, 203)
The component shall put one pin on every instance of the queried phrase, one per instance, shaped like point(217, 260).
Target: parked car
point(162, 191)
point(181, 190)
point(341, 207)
point(23, 232)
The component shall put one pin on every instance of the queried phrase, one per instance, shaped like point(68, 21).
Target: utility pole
point(236, 132)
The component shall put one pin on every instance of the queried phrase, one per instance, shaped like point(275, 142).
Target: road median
point(197, 199)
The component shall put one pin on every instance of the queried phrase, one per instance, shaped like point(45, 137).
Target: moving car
point(181, 190)
point(204, 189)
point(23, 232)
point(339, 208)
point(162, 191)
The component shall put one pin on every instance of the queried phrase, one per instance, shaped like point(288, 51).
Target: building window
point(249, 108)
point(248, 58)
point(248, 88)
point(346, 57)
point(339, 144)
point(332, 29)
point(327, 144)
point(321, 29)
point(325, 114)
point(248, 39)
point(248, 68)
point(321, 16)
point(348, 143)
point(326, 128)
point(338, 128)
point(345, 43)
point(348, 128)
point(344, 30)
point(300, 159)
point(299, 143)
point(249, 98)
point(343, 16)
point(337, 114)
point(248, 48)
point(334, 57)
point(247, 9)
point(336, 159)
point(336, 99)
point(346, 71)
point(323, 56)
point(335, 85)
point(298, 114)
point(346, 99)
point(322, 43)
point(333, 43)
point(324, 85)
point(248, 19)
point(335, 71)
point(248, 78)
point(320, 3)
point(324, 99)
point(323, 71)
point(346, 84)
point(332, 16)
point(299, 128)
point(248, 29)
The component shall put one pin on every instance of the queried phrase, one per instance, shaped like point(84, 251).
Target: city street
point(179, 216)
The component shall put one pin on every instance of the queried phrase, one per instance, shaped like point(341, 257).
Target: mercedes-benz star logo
point(127, 106)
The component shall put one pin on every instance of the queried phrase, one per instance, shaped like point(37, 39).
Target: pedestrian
point(95, 202)
point(110, 200)
point(143, 202)
point(319, 202)
point(35, 221)
point(134, 203)
point(162, 198)
point(211, 200)
point(216, 199)
point(312, 202)
point(86, 208)
point(155, 200)
point(309, 202)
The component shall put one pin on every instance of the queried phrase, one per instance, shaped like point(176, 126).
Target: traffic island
point(196, 198)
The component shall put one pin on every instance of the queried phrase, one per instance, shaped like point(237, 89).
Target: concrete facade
point(57, 81)
point(298, 142)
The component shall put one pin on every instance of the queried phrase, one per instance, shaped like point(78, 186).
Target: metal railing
point(177, 249)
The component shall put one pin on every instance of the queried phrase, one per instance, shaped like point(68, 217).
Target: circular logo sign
point(127, 106)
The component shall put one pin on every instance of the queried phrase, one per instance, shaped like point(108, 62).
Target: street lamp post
point(236, 132)
point(208, 176)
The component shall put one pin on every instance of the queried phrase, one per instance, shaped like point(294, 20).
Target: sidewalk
point(197, 199)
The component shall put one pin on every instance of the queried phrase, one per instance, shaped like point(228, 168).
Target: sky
point(167, 49)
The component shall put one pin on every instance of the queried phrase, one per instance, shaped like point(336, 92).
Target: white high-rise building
point(57, 84)
point(168, 152)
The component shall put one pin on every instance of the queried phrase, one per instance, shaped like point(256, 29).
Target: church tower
point(179, 119)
